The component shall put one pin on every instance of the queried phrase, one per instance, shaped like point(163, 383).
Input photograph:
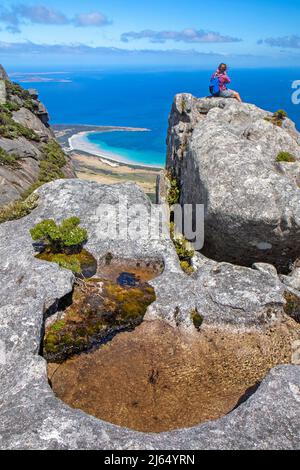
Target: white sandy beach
point(81, 143)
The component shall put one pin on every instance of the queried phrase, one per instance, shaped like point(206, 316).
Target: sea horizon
point(143, 99)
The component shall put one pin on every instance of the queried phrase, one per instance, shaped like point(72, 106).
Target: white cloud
point(188, 35)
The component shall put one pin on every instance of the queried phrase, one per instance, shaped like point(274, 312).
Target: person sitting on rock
point(223, 78)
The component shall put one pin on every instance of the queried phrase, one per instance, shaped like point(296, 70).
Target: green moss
point(77, 262)
point(187, 268)
point(57, 326)
point(67, 262)
point(96, 312)
point(8, 159)
point(197, 319)
point(18, 209)
point(285, 157)
point(135, 302)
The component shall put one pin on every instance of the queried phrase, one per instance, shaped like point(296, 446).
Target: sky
point(161, 33)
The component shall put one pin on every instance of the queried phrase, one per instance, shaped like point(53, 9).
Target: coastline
point(76, 140)
point(91, 164)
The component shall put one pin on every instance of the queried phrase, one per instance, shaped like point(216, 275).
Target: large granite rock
point(33, 121)
point(3, 74)
point(3, 77)
point(14, 180)
point(31, 417)
point(224, 156)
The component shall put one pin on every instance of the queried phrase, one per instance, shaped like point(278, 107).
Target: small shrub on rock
point(10, 106)
point(277, 118)
point(15, 89)
point(18, 209)
point(280, 114)
point(10, 129)
point(197, 319)
point(54, 154)
point(183, 249)
point(63, 238)
point(174, 191)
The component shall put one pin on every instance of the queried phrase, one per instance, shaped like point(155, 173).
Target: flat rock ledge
point(31, 417)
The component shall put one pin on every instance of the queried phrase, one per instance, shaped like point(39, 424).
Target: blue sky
point(157, 32)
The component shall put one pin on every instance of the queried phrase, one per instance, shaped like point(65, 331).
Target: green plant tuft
point(54, 154)
point(197, 319)
point(280, 114)
point(183, 249)
point(15, 89)
point(8, 159)
point(285, 157)
point(10, 129)
point(174, 191)
point(18, 209)
point(59, 238)
point(277, 118)
point(10, 106)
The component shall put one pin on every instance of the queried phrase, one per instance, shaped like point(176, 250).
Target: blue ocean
point(143, 99)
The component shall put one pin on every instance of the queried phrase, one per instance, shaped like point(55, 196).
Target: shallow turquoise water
point(135, 147)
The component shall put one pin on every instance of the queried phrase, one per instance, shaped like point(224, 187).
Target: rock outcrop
point(24, 131)
point(31, 417)
point(225, 155)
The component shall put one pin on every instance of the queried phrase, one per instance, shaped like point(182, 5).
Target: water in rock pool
point(128, 279)
point(170, 379)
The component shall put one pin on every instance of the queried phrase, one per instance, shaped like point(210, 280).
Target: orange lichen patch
point(168, 379)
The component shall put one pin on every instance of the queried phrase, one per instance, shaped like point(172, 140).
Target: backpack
point(214, 87)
